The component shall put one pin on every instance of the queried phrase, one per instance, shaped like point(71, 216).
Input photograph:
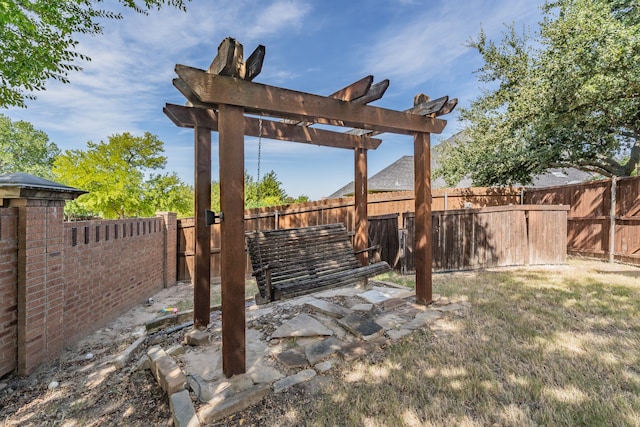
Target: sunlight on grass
point(565, 395)
point(539, 346)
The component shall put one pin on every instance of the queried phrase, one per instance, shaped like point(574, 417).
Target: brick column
point(40, 282)
point(40, 234)
point(170, 252)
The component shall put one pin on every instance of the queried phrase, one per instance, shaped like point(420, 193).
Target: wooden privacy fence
point(501, 236)
point(604, 218)
point(328, 211)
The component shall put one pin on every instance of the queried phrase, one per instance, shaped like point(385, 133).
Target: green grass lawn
point(550, 346)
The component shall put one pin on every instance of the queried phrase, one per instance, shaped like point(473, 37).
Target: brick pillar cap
point(21, 185)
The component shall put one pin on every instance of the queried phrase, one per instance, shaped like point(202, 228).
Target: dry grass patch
point(540, 346)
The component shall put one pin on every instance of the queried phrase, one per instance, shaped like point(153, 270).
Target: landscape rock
point(292, 380)
point(323, 367)
point(221, 408)
point(182, 410)
point(196, 337)
point(123, 358)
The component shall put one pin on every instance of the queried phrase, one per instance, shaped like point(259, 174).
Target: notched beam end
point(354, 90)
point(376, 92)
point(447, 107)
point(192, 98)
point(229, 61)
point(253, 65)
point(420, 98)
point(429, 108)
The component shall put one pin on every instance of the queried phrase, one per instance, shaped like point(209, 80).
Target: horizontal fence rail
point(341, 210)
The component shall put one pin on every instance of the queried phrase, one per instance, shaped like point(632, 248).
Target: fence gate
point(383, 231)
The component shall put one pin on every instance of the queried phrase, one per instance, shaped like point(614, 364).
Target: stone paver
point(362, 307)
point(362, 327)
point(319, 351)
point(292, 380)
point(302, 325)
point(293, 358)
point(264, 374)
point(423, 319)
point(330, 309)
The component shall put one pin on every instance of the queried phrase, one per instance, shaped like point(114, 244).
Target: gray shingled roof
point(398, 176)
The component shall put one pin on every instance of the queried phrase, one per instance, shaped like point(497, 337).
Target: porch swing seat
point(297, 261)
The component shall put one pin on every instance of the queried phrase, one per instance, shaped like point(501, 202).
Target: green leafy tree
point(567, 97)
point(38, 40)
point(112, 172)
point(267, 192)
point(25, 149)
point(167, 193)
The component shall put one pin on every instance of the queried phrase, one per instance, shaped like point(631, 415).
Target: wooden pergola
point(219, 98)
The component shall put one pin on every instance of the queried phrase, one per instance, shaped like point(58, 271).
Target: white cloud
point(279, 16)
point(430, 43)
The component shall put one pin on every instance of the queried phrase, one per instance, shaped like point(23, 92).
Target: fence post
point(612, 221)
point(170, 250)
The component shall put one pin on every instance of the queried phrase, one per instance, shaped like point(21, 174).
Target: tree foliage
point(569, 96)
point(258, 194)
point(38, 41)
point(167, 193)
point(25, 149)
point(114, 174)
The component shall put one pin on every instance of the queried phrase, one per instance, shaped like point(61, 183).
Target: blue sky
point(311, 46)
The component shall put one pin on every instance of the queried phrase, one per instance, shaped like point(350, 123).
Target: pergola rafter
point(219, 99)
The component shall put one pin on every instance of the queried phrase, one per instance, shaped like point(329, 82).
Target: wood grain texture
point(189, 117)
point(231, 149)
point(284, 103)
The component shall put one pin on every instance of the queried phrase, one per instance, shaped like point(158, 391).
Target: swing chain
point(259, 159)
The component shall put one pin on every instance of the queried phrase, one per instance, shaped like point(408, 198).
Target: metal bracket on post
point(210, 217)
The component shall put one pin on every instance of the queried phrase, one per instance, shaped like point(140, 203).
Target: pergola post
point(202, 263)
point(361, 236)
point(423, 233)
point(232, 258)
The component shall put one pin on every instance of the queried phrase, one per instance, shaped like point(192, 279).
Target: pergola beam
point(273, 101)
point(190, 117)
point(437, 107)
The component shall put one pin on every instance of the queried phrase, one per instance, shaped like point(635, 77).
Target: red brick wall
point(8, 290)
point(110, 266)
